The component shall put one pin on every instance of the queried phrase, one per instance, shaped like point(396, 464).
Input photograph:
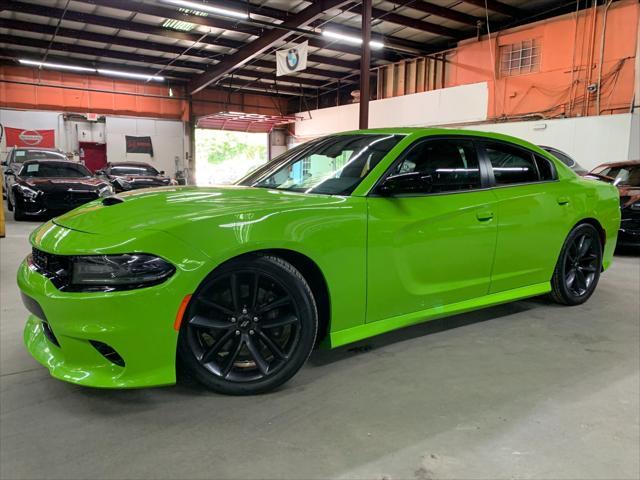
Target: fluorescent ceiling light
point(352, 39)
point(178, 25)
point(203, 7)
point(59, 66)
point(136, 76)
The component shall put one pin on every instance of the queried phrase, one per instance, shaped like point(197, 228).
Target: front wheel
point(249, 327)
point(578, 269)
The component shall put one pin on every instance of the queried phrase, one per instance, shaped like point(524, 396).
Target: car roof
point(627, 163)
point(51, 160)
point(131, 164)
point(41, 149)
point(443, 131)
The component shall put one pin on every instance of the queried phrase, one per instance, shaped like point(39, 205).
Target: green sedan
point(337, 240)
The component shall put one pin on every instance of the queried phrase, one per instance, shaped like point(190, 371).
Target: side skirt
point(350, 335)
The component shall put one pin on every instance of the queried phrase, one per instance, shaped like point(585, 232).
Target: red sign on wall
point(17, 137)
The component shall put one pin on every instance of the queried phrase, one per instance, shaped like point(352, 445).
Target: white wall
point(466, 103)
point(589, 140)
point(167, 137)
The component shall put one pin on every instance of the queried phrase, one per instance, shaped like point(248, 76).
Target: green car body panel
point(387, 262)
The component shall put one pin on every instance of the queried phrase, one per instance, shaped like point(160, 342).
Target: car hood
point(165, 207)
point(61, 184)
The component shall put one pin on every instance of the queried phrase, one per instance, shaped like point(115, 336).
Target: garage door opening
point(222, 157)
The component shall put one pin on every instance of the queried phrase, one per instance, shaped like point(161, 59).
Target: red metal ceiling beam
point(251, 50)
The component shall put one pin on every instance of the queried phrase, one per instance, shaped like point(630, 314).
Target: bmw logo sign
point(292, 58)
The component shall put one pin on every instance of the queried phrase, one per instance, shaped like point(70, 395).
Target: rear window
point(628, 176)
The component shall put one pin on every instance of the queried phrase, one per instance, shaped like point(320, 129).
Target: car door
point(533, 215)
point(433, 244)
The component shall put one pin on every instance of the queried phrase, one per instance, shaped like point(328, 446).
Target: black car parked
point(125, 176)
point(18, 155)
point(51, 187)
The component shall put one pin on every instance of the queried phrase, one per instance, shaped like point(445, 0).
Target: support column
point(365, 64)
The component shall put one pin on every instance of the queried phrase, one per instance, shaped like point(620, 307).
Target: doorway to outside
point(222, 157)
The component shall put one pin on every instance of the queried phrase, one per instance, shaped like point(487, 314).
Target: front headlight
point(123, 184)
point(105, 191)
point(28, 192)
point(118, 272)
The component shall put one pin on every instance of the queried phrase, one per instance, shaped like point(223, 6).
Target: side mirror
point(9, 172)
point(4, 163)
point(411, 182)
point(99, 172)
point(161, 172)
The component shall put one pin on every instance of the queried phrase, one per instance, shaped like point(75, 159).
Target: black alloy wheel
point(249, 327)
point(578, 269)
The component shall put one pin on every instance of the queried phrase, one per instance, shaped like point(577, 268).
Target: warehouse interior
point(206, 93)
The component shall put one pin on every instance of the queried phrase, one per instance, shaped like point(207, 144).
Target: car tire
point(249, 327)
point(18, 214)
point(578, 268)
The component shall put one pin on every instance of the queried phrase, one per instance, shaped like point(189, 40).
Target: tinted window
point(54, 170)
point(332, 166)
point(628, 176)
point(445, 166)
point(133, 170)
point(511, 165)
point(545, 168)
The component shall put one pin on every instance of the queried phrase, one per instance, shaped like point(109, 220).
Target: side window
point(545, 168)
point(511, 165)
point(444, 166)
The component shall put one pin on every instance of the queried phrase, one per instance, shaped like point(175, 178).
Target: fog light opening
point(46, 329)
point(108, 352)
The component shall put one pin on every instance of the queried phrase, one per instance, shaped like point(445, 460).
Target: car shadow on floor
point(321, 357)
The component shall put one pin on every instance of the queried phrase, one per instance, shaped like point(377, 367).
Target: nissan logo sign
point(30, 137)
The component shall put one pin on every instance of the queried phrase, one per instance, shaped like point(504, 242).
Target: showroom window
point(520, 58)
point(446, 165)
point(511, 165)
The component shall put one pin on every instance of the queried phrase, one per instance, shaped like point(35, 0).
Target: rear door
point(429, 247)
point(533, 215)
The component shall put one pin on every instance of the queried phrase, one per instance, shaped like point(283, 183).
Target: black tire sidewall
point(560, 287)
point(302, 296)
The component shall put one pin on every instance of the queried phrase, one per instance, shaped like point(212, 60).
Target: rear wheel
point(578, 269)
point(249, 327)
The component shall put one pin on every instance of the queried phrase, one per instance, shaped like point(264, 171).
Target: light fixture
point(59, 66)
point(376, 45)
point(203, 7)
point(100, 71)
point(178, 25)
point(136, 76)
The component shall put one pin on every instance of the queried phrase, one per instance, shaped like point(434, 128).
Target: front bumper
point(68, 332)
point(629, 234)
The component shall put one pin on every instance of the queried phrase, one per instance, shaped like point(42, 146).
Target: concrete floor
point(526, 390)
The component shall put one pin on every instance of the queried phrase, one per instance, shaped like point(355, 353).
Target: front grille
point(67, 200)
point(56, 268)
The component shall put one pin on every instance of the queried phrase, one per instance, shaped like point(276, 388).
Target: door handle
point(563, 200)
point(484, 215)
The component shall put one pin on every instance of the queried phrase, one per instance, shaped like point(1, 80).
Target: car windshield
point(331, 165)
point(54, 170)
point(21, 156)
point(629, 176)
point(133, 170)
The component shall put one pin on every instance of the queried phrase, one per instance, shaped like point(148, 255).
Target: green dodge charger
point(339, 239)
